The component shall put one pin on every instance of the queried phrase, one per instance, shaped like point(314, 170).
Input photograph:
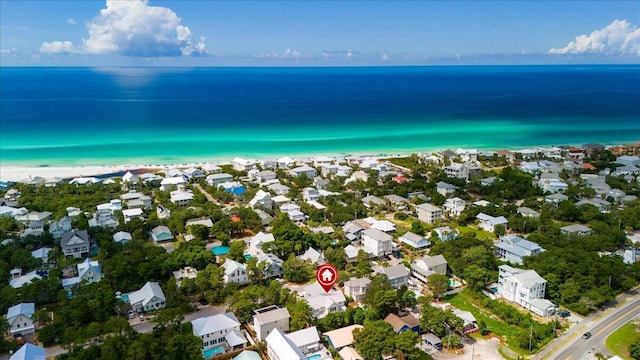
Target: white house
point(445, 189)
point(88, 270)
point(378, 242)
point(445, 233)
point(256, 242)
point(75, 243)
point(129, 214)
point(217, 179)
point(262, 199)
point(308, 341)
point(279, 347)
point(313, 256)
point(454, 206)
point(428, 213)
point(270, 318)
point(160, 233)
point(414, 240)
point(628, 160)
point(186, 272)
point(235, 272)
point(150, 297)
point(20, 319)
point(552, 183)
point(58, 228)
point(273, 264)
point(489, 223)
point(222, 330)
point(323, 302)
point(264, 176)
point(421, 269)
point(576, 229)
point(513, 248)
point(371, 201)
point(241, 164)
point(525, 288)
point(172, 182)
point(181, 197)
point(122, 237)
point(356, 288)
point(459, 171)
point(306, 170)
point(42, 254)
point(285, 162)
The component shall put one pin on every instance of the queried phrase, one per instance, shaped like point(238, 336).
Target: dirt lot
point(481, 350)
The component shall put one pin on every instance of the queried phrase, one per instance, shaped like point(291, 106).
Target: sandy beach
point(24, 174)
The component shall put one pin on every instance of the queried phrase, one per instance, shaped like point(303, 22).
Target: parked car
point(131, 314)
point(586, 335)
point(564, 313)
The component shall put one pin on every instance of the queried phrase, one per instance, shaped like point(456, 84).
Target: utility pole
point(530, 336)
point(473, 350)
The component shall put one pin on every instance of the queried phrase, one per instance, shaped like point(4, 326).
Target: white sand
point(18, 173)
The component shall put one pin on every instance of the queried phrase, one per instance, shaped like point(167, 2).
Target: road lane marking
point(619, 317)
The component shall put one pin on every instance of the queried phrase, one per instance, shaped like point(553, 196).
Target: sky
point(316, 33)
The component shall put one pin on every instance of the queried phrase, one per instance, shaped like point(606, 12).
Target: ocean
point(103, 116)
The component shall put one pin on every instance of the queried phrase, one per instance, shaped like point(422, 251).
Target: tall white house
point(428, 213)
point(525, 288)
point(379, 242)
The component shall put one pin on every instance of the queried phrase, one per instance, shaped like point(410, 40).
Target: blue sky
point(185, 32)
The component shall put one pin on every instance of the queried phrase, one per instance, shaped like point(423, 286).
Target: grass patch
point(497, 327)
point(480, 234)
point(618, 342)
point(407, 162)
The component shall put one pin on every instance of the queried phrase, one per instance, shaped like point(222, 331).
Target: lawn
point(497, 327)
point(618, 342)
point(480, 234)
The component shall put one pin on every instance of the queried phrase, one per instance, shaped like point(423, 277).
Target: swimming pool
point(220, 250)
point(124, 297)
point(314, 357)
point(212, 352)
point(454, 283)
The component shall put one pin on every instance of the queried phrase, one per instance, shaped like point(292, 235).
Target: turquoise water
point(220, 250)
point(454, 283)
point(125, 297)
point(248, 256)
point(314, 357)
point(213, 352)
point(105, 116)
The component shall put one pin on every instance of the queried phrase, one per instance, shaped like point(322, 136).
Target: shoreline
point(20, 173)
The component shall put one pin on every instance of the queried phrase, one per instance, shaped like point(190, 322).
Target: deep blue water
point(108, 115)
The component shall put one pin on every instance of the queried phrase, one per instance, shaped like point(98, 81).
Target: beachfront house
point(75, 243)
point(305, 170)
point(240, 164)
point(428, 213)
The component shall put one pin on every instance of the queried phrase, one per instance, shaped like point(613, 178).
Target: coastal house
point(414, 240)
point(445, 189)
point(399, 203)
point(75, 243)
point(342, 337)
point(314, 256)
point(470, 325)
point(489, 223)
point(555, 199)
point(428, 213)
point(29, 351)
point(88, 271)
point(602, 205)
point(262, 199)
point(20, 319)
point(219, 331)
point(321, 161)
point(170, 183)
point(181, 197)
point(305, 170)
point(122, 237)
point(307, 340)
point(421, 269)
point(42, 254)
point(378, 242)
point(279, 347)
point(455, 170)
point(397, 275)
point(264, 176)
point(58, 228)
point(150, 297)
point(628, 160)
point(356, 288)
point(323, 302)
point(371, 201)
point(513, 248)
point(186, 272)
point(285, 162)
point(233, 187)
point(160, 233)
point(528, 212)
point(194, 174)
point(216, 179)
point(352, 230)
point(279, 189)
point(269, 318)
point(235, 272)
point(488, 181)
point(273, 264)
point(293, 211)
point(310, 194)
point(552, 183)
point(454, 206)
point(240, 164)
point(256, 242)
point(104, 217)
point(18, 280)
point(129, 214)
point(525, 288)
point(576, 229)
point(402, 324)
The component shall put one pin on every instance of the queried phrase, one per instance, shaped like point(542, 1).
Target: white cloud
point(58, 47)
point(620, 37)
point(70, 21)
point(133, 28)
point(287, 54)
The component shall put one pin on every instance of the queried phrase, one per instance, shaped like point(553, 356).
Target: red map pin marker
point(327, 275)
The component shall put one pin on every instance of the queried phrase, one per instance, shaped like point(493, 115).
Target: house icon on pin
point(327, 275)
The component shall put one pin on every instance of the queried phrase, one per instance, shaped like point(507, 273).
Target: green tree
point(236, 251)
point(297, 270)
point(438, 284)
point(374, 340)
point(634, 349)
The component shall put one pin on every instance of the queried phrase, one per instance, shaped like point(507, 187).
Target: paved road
point(147, 326)
point(571, 345)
